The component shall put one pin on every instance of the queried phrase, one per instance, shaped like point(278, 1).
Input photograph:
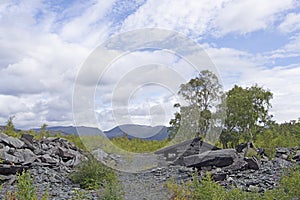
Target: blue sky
point(44, 44)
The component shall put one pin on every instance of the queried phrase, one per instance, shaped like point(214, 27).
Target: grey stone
point(218, 158)
point(11, 141)
point(26, 155)
point(100, 154)
point(10, 169)
point(297, 156)
point(8, 158)
point(48, 159)
point(27, 137)
point(253, 163)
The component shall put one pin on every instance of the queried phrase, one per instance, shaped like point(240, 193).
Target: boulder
point(238, 165)
point(99, 154)
point(26, 155)
point(241, 147)
point(218, 158)
point(297, 156)
point(10, 169)
point(11, 141)
point(253, 163)
point(27, 137)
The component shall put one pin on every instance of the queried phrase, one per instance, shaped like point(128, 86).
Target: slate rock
point(241, 147)
point(10, 169)
point(297, 156)
point(100, 154)
point(253, 163)
point(27, 137)
point(11, 141)
point(26, 155)
point(48, 159)
point(218, 158)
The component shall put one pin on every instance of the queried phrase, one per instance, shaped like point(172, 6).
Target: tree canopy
point(202, 94)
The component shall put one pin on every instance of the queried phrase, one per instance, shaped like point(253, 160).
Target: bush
point(270, 139)
point(92, 174)
point(25, 189)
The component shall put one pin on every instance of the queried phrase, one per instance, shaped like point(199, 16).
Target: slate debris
point(50, 161)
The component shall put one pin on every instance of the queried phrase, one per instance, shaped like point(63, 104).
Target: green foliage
point(246, 113)
point(92, 174)
point(44, 133)
point(283, 135)
point(250, 152)
point(206, 188)
point(202, 94)
point(138, 145)
point(26, 190)
point(79, 195)
point(10, 128)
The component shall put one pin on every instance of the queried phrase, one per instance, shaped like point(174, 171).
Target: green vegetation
point(208, 189)
point(202, 94)
point(246, 114)
point(93, 175)
point(25, 189)
point(139, 145)
point(279, 135)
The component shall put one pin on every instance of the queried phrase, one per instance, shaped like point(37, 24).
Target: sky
point(44, 46)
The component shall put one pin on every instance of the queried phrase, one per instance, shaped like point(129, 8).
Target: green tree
point(246, 113)
point(10, 128)
point(202, 95)
point(44, 132)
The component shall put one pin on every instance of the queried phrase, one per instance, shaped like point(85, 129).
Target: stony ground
point(50, 161)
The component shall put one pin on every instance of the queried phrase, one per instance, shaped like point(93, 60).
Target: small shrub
point(26, 190)
point(92, 174)
point(251, 152)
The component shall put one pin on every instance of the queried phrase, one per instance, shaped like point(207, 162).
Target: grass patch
point(139, 145)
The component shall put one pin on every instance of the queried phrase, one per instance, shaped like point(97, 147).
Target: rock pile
point(50, 160)
point(231, 167)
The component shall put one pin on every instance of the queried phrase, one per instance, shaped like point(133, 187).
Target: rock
point(8, 158)
point(297, 156)
point(241, 147)
point(253, 163)
point(26, 155)
point(177, 152)
point(218, 158)
point(65, 154)
point(10, 169)
point(219, 176)
point(48, 159)
point(281, 163)
point(27, 137)
point(238, 165)
point(100, 154)
point(253, 188)
point(11, 141)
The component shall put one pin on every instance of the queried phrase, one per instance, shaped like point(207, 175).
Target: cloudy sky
point(44, 45)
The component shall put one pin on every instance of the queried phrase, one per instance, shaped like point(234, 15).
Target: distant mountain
point(83, 130)
point(139, 131)
point(131, 130)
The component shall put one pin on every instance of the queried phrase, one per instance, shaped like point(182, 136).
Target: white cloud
point(244, 69)
point(208, 17)
point(42, 48)
point(291, 23)
point(249, 15)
